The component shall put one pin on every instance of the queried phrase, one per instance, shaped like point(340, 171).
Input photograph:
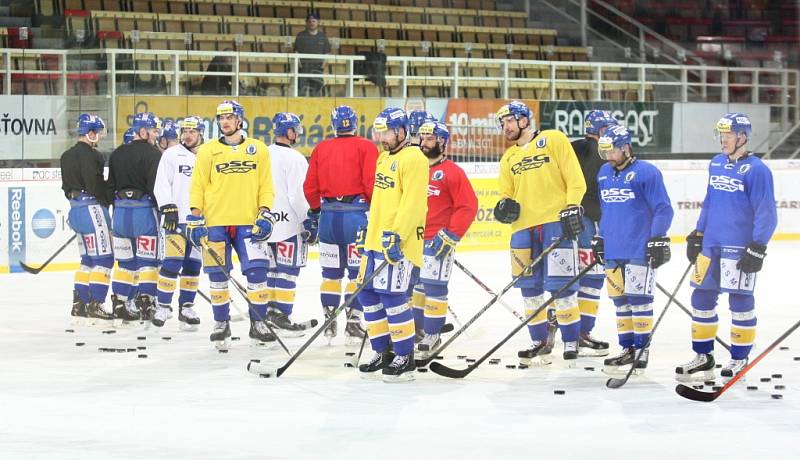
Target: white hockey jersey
point(174, 179)
point(289, 169)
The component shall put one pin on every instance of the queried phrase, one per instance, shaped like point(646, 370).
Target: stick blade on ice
point(696, 395)
point(615, 382)
point(262, 370)
point(30, 269)
point(445, 371)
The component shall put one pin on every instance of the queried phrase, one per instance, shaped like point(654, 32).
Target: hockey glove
point(506, 211)
point(753, 258)
point(361, 239)
point(658, 252)
point(262, 228)
point(390, 241)
point(694, 246)
point(196, 230)
point(599, 249)
point(170, 213)
point(310, 232)
point(443, 243)
point(571, 222)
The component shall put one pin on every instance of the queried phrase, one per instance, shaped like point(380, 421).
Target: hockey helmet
point(390, 118)
point(146, 120)
point(615, 137)
point(417, 118)
point(597, 120)
point(128, 137)
point(284, 121)
point(169, 130)
point(88, 122)
point(734, 122)
point(192, 122)
point(515, 108)
point(230, 106)
point(436, 128)
point(344, 119)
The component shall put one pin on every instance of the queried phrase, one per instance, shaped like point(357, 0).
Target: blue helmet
point(169, 130)
point(615, 137)
point(127, 138)
point(417, 118)
point(230, 106)
point(88, 122)
point(284, 121)
point(344, 119)
point(734, 122)
point(390, 118)
point(146, 120)
point(515, 108)
point(192, 122)
point(436, 128)
point(597, 120)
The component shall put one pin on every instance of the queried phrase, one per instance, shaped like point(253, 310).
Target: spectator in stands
point(311, 41)
point(219, 85)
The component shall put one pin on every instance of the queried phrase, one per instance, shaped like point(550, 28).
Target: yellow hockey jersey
point(543, 176)
point(231, 182)
point(400, 201)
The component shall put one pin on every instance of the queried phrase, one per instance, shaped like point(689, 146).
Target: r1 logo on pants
point(147, 247)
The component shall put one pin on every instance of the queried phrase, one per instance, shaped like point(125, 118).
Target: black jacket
point(133, 167)
point(82, 171)
point(586, 151)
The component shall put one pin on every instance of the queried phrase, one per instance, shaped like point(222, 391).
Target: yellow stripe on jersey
point(329, 286)
point(219, 296)
point(230, 183)
point(401, 331)
point(703, 332)
point(543, 176)
point(377, 328)
point(148, 275)
point(283, 295)
point(82, 276)
point(100, 275)
point(166, 284)
point(743, 335)
point(540, 317)
point(122, 275)
point(190, 283)
point(418, 299)
point(642, 324)
point(400, 201)
point(435, 308)
point(624, 324)
point(588, 307)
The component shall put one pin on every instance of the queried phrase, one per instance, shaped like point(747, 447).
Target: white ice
point(188, 401)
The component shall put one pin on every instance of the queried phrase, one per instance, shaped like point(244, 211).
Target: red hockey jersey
point(340, 166)
point(451, 200)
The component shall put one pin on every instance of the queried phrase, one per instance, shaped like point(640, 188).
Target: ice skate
point(125, 311)
point(570, 353)
point(428, 344)
point(377, 363)
point(701, 368)
point(146, 305)
point(97, 315)
point(78, 313)
point(330, 331)
point(161, 315)
point(641, 363)
point(260, 335)
point(282, 325)
point(536, 355)
point(401, 369)
point(733, 367)
point(353, 331)
point(617, 365)
point(552, 328)
point(589, 346)
point(187, 318)
point(221, 335)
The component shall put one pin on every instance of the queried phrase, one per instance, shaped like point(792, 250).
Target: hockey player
point(289, 242)
point(338, 188)
point(728, 247)
point(168, 137)
point(395, 234)
point(595, 124)
point(416, 119)
point(632, 243)
point(541, 186)
point(452, 206)
point(173, 181)
point(131, 178)
point(84, 186)
point(232, 188)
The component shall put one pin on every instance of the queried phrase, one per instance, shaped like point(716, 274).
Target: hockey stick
point(242, 292)
point(487, 289)
point(34, 271)
point(686, 310)
point(617, 383)
point(506, 288)
point(257, 368)
point(461, 373)
point(708, 396)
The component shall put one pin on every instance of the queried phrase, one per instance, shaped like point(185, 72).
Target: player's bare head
point(147, 127)
point(615, 146)
point(433, 137)
point(91, 128)
point(191, 131)
point(514, 118)
point(732, 131)
point(230, 117)
point(390, 128)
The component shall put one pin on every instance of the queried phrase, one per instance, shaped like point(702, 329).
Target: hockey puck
point(697, 387)
point(718, 366)
point(765, 379)
point(235, 338)
point(494, 361)
point(349, 353)
point(222, 350)
point(588, 368)
point(69, 331)
point(784, 348)
point(461, 356)
point(166, 337)
point(422, 369)
point(105, 349)
point(143, 356)
point(709, 383)
point(776, 396)
point(141, 337)
point(559, 392)
point(797, 358)
point(110, 331)
point(523, 366)
point(438, 357)
point(511, 366)
point(265, 376)
point(141, 348)
point(780, 387)
point(716, 388)
point(470, 360)
point(777, 376)
point(348, 365)
point(752, 388)
point(131, 350)
point(121, 350)
point(80, 344)
point(255, 361)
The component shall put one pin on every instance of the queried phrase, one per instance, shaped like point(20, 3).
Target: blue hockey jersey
point(739, 206)
point(634, 207)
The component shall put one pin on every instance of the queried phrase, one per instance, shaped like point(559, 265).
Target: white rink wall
point(33, 210)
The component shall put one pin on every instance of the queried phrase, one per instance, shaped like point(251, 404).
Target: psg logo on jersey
point(438, 175)
point(250, 150)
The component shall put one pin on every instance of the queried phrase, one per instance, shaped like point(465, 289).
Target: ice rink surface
point(186, 400)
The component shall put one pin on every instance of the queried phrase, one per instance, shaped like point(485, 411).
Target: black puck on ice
point(709, 383)
point(131, 350)
point(494, 361)
point(776, 396)
point(752, 388)
point(255, 360)
point(559, 392)
point(780, 387)
point(348, 365)
point(235, 338)
point(143, 356)
point(797, 358)
point(166, 337)
point(349, 353)
point(511, 366)
point(461, 356)
point(777, 376)
point(104, 349)
point(716, 388)
point(784, 348)
point(765, 379)
point(141, 337)
point(523, 366)
point(264, 376)
point(438, 357)
point(80, 344)
point(470, 360)
point(697, 387)
point(110, 331)
point(222, 350)
point(121, 350)
point(141, 348)
point(718, 366)
point(69, 331)
point(588, 368)
point(422, 369)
